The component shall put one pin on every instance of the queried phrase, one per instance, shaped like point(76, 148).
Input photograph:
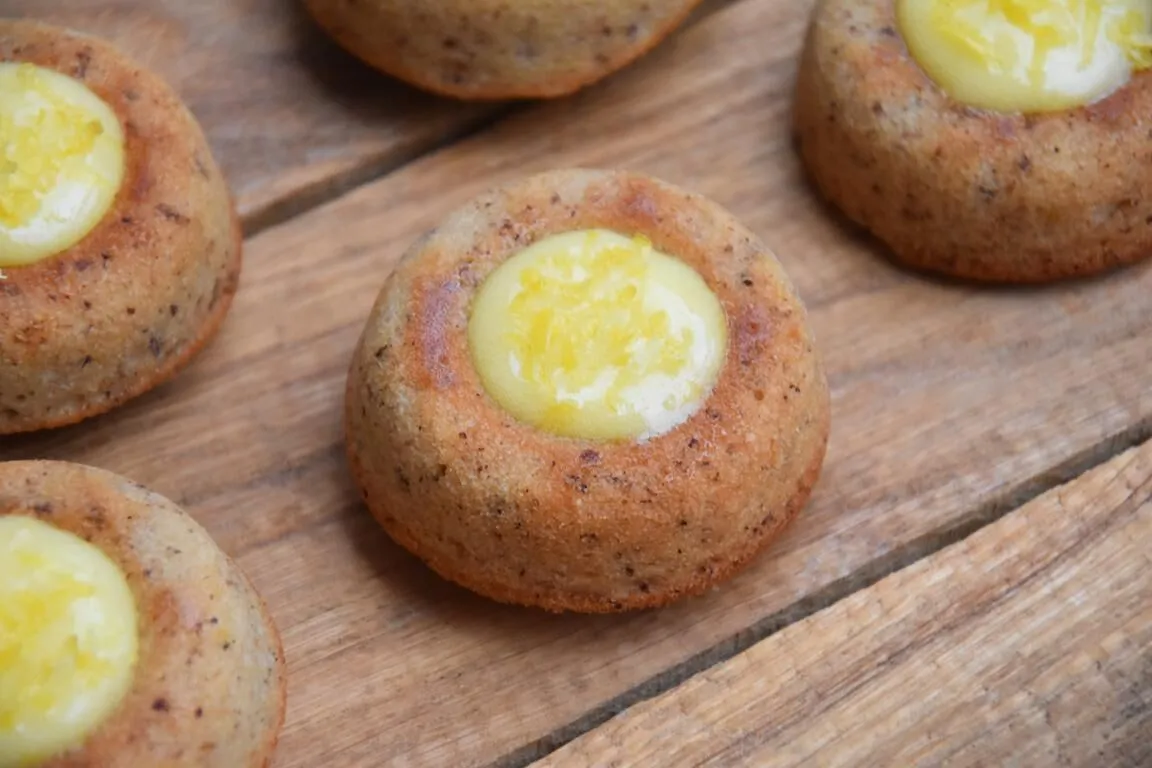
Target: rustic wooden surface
point(1029, 643)
point(292, 119)
point(952, 404)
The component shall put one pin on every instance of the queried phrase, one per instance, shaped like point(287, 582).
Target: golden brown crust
point(493, 49)
point(132, 303)
point(960, 191)
point(526, 517)
point(210, 681)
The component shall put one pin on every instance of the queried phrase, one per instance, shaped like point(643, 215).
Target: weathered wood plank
point(1029, 643)
point(950, 402)
point(292, 119)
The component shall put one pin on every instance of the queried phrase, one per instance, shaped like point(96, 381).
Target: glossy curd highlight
point(1028, 56)
point(595, 335)
point(61, 162)
point(68, 640)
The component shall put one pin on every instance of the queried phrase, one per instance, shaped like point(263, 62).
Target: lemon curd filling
point(595, 335)
point(68, 640)
point(61, 162)
point(1028, 55)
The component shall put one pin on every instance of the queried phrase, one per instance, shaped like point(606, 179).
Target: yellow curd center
point(594, 335)
point(68, 640)
point(61, 162)
point(1028, 56)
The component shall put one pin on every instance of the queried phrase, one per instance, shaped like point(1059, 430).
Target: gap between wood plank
point(1024, 644)
point(338, 185)
point(897, 560)
point(326, 190)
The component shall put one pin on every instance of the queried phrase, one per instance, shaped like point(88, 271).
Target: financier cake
point(119, 245)
point(492, 49)
point(127, 638)
point(587, 391)
point(997, 140)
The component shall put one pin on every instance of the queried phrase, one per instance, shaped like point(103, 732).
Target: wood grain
point(1029, 643)
point(293, 119)
point(950, 404)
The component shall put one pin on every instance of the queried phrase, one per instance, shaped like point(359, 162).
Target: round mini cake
point(119, 244)
point(489, 49)
point(587, 391)
point(997, 141)
point(127, 638)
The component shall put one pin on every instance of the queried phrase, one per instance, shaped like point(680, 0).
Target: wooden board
point(951, 404)
point(1029, 643)
point(292, 118)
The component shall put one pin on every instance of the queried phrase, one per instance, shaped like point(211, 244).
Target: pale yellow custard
point(595, 335)
point(61, 162)
point(1028, 56)
point(68, 640)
